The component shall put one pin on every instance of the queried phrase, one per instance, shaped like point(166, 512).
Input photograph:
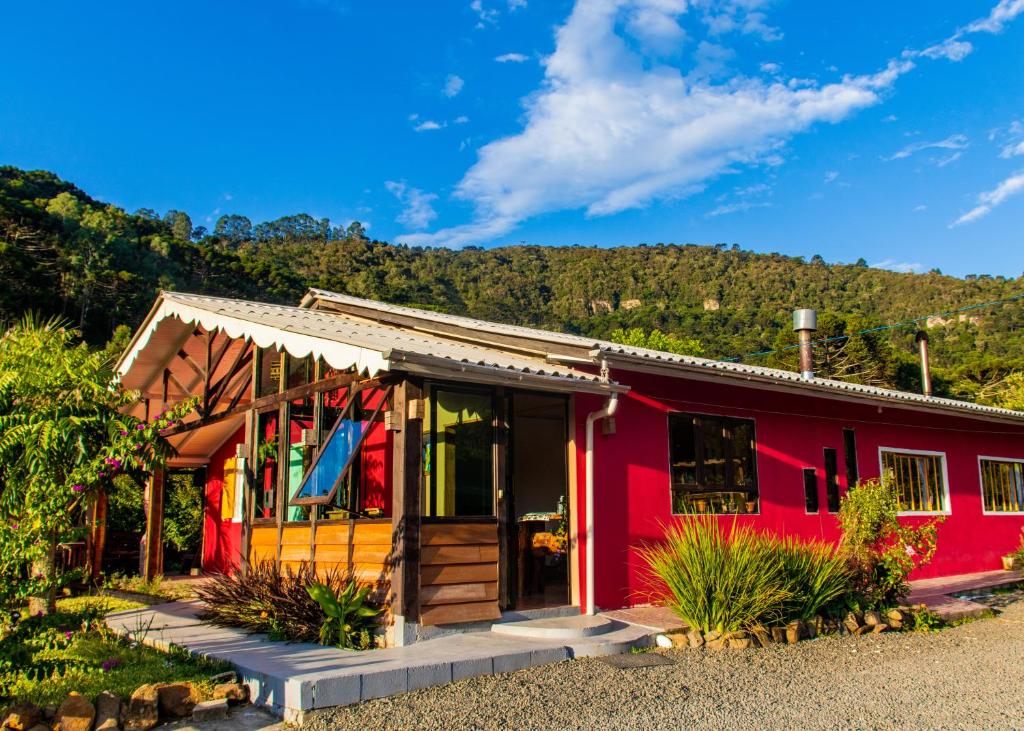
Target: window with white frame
point(1002, 485)
point(919, 479)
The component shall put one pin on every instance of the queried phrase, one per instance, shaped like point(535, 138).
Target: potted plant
point(751, 506)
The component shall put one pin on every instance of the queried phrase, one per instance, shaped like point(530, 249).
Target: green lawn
point(43, 659)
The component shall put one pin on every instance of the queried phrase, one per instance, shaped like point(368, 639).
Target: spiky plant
point(816, 574)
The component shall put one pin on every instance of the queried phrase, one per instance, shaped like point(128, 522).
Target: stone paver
point(937, 593)
point(294, 678)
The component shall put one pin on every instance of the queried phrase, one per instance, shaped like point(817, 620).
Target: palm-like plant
point(348, 619)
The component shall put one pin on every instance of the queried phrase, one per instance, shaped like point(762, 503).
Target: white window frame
point(981, 483)
point(945, 477)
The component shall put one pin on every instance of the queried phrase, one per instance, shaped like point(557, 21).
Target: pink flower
point(124, 433)
point(910, 550)
point(140, 427)
point(68, 634)
point(77, 488)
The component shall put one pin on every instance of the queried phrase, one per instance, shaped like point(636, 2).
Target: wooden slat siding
point(459, 573)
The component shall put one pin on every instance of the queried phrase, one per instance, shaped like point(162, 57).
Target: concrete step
point(558, 628)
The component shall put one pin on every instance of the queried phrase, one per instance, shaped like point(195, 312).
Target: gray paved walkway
point(294, 678)
point(937, 594)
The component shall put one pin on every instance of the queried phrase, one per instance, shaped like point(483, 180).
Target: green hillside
point(65, 253)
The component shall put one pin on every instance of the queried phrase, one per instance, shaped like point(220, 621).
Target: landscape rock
point(794, 631)
point(819, 624)
point(177, 699)
point(224, 678)
point(763, 636)
point(778, 634)
point(712, 635)
point(737, 635)
point(23, 716)
point(49, 712)
point(851, 623)
point(895, 618)
point(108, 712)
point(40, 727)
point(872, 618)
point(741, 643)
point(716, 644)
point(143, 710)
point(76, 713)
point(880, 627)
point(863, 629)
point(695, 638)
point(210, 710)
point(664, 642)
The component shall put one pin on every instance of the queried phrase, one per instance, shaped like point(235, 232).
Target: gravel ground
point(971, 676)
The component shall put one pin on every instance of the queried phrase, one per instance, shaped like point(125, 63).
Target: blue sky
point(892, 131)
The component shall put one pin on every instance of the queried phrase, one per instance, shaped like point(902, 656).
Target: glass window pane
point(462, 479)
point(742, 454)
point(269, 372)
point(917, 479)
point(713, 437)
point(1002, 486)
point(683, 448)
point(264, 501)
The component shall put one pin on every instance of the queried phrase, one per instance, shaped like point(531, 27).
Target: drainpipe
point(926, 372)
point(607, 411)
point(805, 322)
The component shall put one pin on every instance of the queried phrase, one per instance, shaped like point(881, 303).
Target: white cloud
point(944, 161)
point(485, 16)
point(921, 208)
point(743, 16)
point(905, 267)
point(1001, 14)
point(735, 207)
point(514, 5)
point(612, 128)
point(428, 125)
point(992, 198)
point(831, 176)
point(1012, 150)
point(452, 86)
point(950, 49)
point(953, 142)
point(771, 68)
point(890, 119)
point(461, 119)
point(1012, 139)
point(511, 58)
point(955, 49)
point(750, 190)
point(418, 211)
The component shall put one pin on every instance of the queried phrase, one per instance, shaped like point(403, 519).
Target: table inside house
point(538, 545)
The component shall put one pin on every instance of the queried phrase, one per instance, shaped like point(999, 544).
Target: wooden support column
point(153, 556)
point(502, 502)
point(97, 534)
point(248, 494)
point(407, 440)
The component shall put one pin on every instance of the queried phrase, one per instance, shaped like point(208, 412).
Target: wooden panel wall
point(263, 543)
point(458, 572)
point(364, 551)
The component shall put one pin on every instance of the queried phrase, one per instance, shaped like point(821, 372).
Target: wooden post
point(407, 440)
point(97, 534)
point(503, 502)
point(153, 558)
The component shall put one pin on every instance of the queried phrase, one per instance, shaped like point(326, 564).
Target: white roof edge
point(339, 355)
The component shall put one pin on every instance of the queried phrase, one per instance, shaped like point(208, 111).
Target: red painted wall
point(632, 494)
point(222, 540)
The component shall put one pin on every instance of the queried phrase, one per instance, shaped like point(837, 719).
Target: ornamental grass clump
point(738, 579)
point(717, 580)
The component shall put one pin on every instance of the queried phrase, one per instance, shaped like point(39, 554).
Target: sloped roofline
point(569, 348)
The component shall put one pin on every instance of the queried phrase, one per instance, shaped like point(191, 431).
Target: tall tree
point(180, 223)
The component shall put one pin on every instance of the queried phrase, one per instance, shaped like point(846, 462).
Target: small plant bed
point(296, 606)
point(152, 591)
point(737, 587)
point(69, 665)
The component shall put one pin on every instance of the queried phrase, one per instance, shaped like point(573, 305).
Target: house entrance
point(538, 501)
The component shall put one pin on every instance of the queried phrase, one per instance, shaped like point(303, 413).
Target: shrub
point(265, 599)
point(738, 579)
point(348, 620)
point(715, 580)
point(880, 552)
point(817, 577)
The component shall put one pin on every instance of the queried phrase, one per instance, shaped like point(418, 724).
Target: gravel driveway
point(970, 676)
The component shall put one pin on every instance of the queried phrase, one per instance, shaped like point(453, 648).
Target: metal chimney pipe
point(805, 322)
point(926, 372)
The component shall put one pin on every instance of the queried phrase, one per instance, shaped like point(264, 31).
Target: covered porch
point(440, 472)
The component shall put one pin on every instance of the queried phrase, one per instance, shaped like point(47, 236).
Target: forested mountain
point(65, 253)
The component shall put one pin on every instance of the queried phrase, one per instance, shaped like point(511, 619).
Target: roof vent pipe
point(805, 322)
point(926, 372)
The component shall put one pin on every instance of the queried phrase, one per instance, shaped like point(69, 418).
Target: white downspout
point(593, 416)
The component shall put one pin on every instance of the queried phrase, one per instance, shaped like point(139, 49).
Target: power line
point(880, 328)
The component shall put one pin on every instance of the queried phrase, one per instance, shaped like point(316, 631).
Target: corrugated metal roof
point(395, 347)
point(622, 356)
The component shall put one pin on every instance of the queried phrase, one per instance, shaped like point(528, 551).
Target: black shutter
point(810, 490)
point(831, 480)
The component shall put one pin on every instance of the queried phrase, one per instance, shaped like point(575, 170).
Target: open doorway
point(539, 482)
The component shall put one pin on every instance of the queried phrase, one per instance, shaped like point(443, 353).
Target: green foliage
point(1007, 393)
point(183, 512)
point(348, 620)
point(125, 512)
point(738, 579)
point(75, 257)
point(280, 604)
point(62, 438)
point(43, 658)
point(637, 337)
point(880, 551)
point(922, 619)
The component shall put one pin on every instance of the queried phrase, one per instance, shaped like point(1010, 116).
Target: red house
point(469, 467)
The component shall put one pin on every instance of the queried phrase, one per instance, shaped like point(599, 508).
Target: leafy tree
point(62, 439)
point(1007, 393)
point(180, 224)
point(233, 229)
point(183, 512)
point(657, 340)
